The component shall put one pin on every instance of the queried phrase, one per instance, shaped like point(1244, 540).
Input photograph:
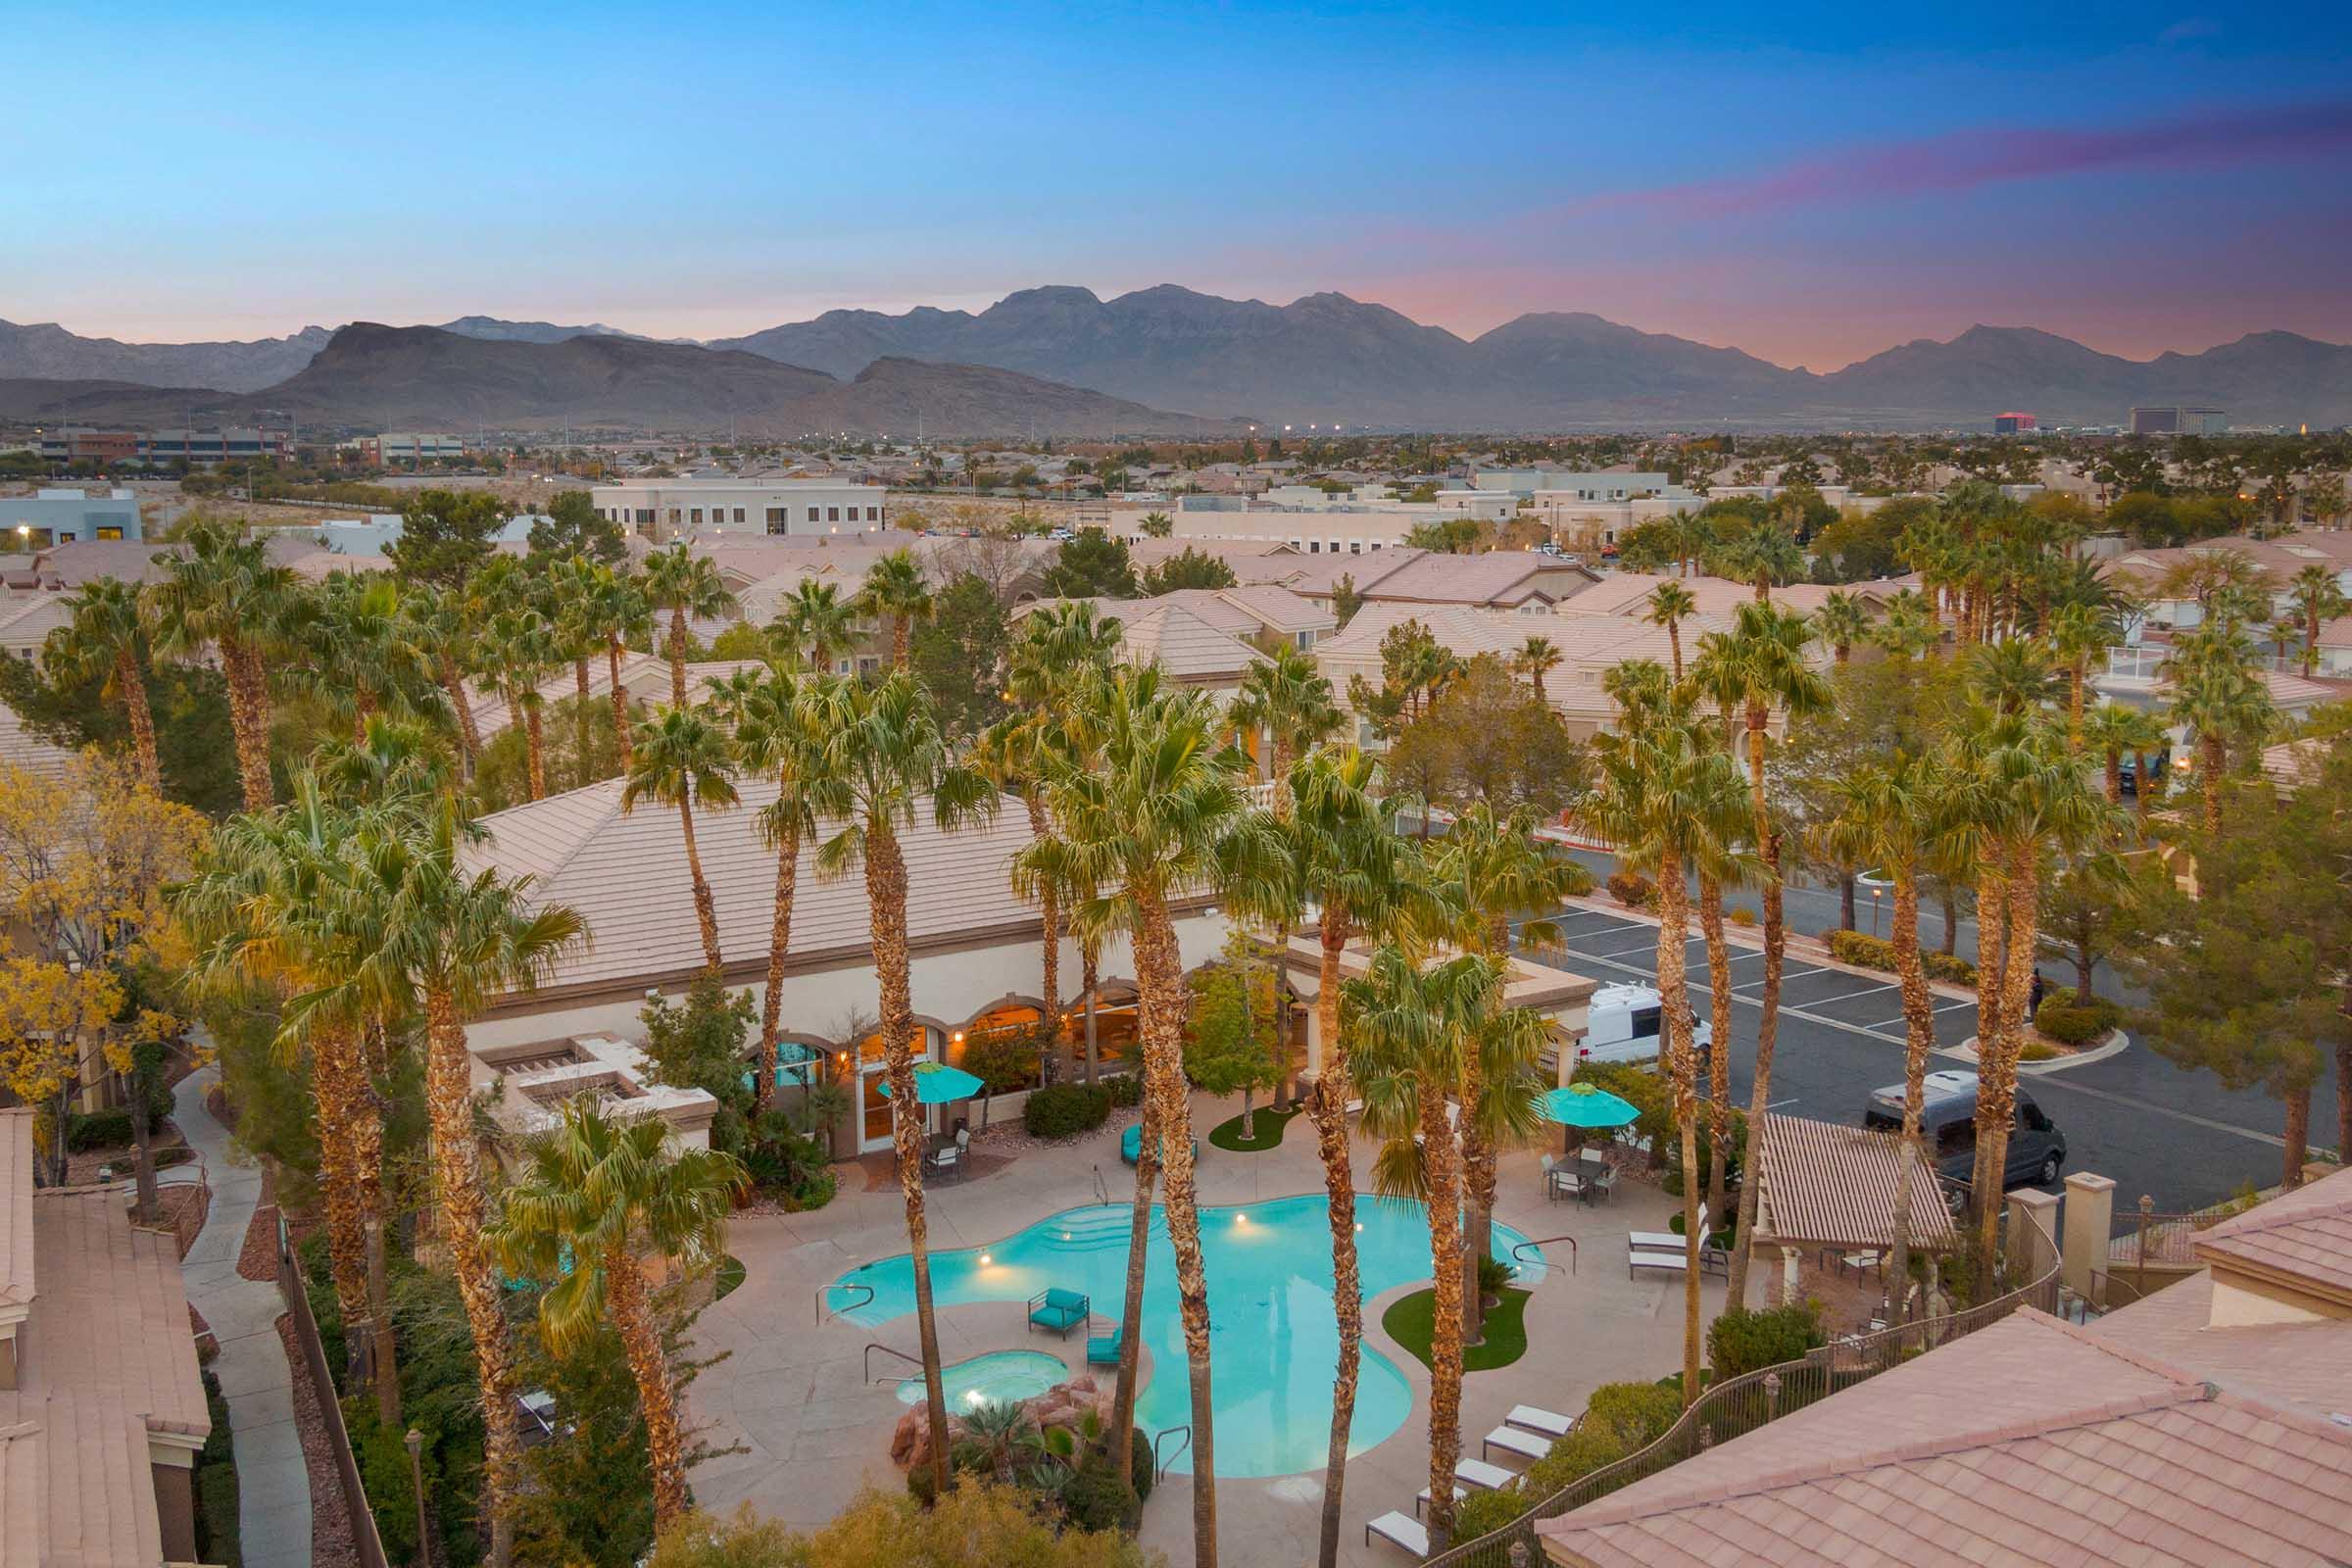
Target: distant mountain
point(421, 378)
point(490, 329)
point(48, 351)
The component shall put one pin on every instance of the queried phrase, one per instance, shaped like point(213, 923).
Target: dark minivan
point(1948, 1126)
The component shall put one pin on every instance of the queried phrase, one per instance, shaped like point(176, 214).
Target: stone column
point(2089, 1223)
point(2033, 1235)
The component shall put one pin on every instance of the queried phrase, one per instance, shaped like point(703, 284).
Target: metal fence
point(368, 1546)
point(1738, 1406)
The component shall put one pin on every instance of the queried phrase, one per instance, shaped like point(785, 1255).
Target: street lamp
point(1874, 895)
point(415, 1444)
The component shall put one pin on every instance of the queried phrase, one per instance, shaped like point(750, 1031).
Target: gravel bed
point(331, 1544)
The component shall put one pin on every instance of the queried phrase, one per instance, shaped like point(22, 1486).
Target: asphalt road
point(2176, 1136)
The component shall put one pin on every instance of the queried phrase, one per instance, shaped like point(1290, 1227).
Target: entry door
point(873, 1105)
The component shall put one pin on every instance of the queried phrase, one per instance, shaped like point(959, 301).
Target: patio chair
point(1399, 1531)
point(1513, 1439)
point(1675, 1262)
point(1559, 1181)
point(1480, 1476)
point(1422, 1501)
point(947, 1161)
point(1666, 1241)
point(1103, 1350)
point(1535, 1418)
point(1837, 1261)
point(1059, 1311)
point(1601, 1178)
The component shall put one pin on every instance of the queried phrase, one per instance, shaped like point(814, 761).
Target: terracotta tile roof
point(1496, 577)
point(2027, 1442)
point(112, 1317)
point(2307, 1364)
point(1835, 1186)
point(1278, 608)
point(1627, 593)
point(644, 676)
point(23, 750)
point(1318, 575)
point(2285, 763)
point(26, 624)
point(1233, 552)
point(15, 1206)
point(627, 876)
point(1185, 645)
point(2305, 1235)
point(75, 1485)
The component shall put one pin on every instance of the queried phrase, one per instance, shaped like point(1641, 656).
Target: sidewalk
point(273, 1481)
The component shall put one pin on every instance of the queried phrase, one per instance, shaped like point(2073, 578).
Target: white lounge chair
point(1423, 1499)
point(1513, 1439)
point(1470, 1475)
point(1535, 1418)
point(1674, 1262)
point(1400, 1531)
point(1666, 1241)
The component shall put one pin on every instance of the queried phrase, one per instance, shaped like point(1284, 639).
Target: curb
point(2115, 1041)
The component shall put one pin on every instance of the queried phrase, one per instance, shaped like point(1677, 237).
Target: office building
point(160, 448)
point(2013, 425)
point(662, 510)
point(398, 448)
point(2182, 420)
point(49, 517)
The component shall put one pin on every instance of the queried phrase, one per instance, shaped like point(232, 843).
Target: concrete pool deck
point(794, 1393)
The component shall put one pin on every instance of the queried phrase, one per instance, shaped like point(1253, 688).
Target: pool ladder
point(913, 1361)
point(1159, 1466)
point(1520, 1259)
point(1101, 1189)
point(822, 1291)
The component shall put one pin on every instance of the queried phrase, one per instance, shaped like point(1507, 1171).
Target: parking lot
point(2177, 1136)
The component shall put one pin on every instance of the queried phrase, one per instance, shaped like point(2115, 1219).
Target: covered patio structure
point(1827, 1191)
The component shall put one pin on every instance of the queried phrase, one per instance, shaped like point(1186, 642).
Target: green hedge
point(1740, 1342)
point(1126, 1090)
point(217, 1500)
point(1620, 1418)
point(1875, 953)
point(2066, 1021)
point(1063, 1111)
point(1633, 890)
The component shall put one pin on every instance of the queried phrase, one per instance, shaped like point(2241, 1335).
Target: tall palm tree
point(1671, 799)
point(362, 654)
point(1763, 657)
point(1536, 659)
point(1421, 1031)
point(1011, 755)
point(1287, 700)
point(1162, 811)
point(895, 587)
point(1908, 630)
point(518, 652)
point(106, 637)
point(816, 623)
point(1929, 545)
point(688, 586)
point(772, 738)
point(223, 594)
point(883, 766)
point(1488, 871)
point(1359, 877)
point(2220, 697)
point(1669, 604)
point(681, 760)
point(2078, 634)
point(450, 940)
point(2116, 730)
point(1761, 553)
point(1841, 622)
point(611, 609)
point(443, 632)
point(596, 1195)
point(2317, 599)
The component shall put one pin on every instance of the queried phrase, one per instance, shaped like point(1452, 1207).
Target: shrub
point(1063, 1111)
point(1126, 1089)
point(1639, 1412)
point(217, 1501)
point(1741, 914)
point(1493, 1275)
point(1741, 1342)
point(2038, 1051)
point(2066, 1020)
point(1867, 952)
point(1631, 889)
point(1945, 966)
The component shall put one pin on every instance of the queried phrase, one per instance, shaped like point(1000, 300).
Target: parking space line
point(1847, 996)
point(1826, 1022)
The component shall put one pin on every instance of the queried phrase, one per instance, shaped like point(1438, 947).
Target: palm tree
point(1763, 658)
point(449, 940)
point(610, 609)
point(518, 651)
point(686, 585)
point(1761, 553)
point(895, 587)
point(880, 766)
point(1421, 1030)
point(1359, 877)
point(2115, 730)
point(2221, 699)
point(596, 1195)
point(363, 655)
point(2317, 599)
point(772, 738)
point(1287, 700)
point(1669, 604)
point(1536, 659)
point(1489, 870)
point(443, 633)
point(106, 638)
point(680, 761)
point(816, 617)
point(1672, 799)
point(1930, 546)
point(1011, 755)
point(1841, 622)
point(1908, 630)
point(1163, 811)
point(222, 592)
point(2078, 634)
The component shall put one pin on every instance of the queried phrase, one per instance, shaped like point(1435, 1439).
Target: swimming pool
point(1274, 1343)
point(996, 1378)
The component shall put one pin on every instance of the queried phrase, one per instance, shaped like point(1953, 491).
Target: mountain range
point(1321, 359)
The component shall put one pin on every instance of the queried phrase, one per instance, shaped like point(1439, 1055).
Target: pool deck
point(793, 1391)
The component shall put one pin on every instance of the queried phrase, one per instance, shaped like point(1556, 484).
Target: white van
point(1624, 1028)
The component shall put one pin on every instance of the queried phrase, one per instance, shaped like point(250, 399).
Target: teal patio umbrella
point(937, 1084)
point(1587, 1108)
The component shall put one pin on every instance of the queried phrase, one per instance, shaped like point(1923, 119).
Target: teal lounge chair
point(1059, 1310)
point(1131, 1144)
point(1103, 1350)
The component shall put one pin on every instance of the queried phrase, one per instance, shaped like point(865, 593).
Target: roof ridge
point(2252, 1222)
point(579, 842)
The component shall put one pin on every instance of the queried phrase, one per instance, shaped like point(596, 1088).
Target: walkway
point(273, 1481)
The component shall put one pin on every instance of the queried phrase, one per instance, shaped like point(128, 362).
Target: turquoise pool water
point(1273, 1341)
point(1000, 1376)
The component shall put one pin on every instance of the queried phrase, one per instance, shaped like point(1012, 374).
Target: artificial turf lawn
point(1270, 1123)
point(1410, 1322)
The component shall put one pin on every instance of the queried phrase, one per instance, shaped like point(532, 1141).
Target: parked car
point(1623, 1027)
point(1947, 1129)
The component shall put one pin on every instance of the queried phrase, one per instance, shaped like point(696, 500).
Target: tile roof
point(76, 1477)
point(627, 876)
point(2287, 764)
point(26, 622)
point(112, 1317)
point(1825, 1184)
point(23, 750)
point(1627, 593)
point(644, 676)
point(2307, 1364)
point(15, 1206)
point(1494, 577)
point(1185, 645)
point(2305, 1235)
point(2028, 1441)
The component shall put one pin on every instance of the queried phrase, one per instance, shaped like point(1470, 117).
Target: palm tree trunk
point(1674, 644)
point(779, 944)
point(1478, 1230)
point(1160, 967)
point(1767, 1022)
point(1131, 1306)
point(706, 907)
point(641, 1342)
point(1092, 974)
point(249, 722)
point(1719, 1059)
point(620, 703)
point(2115, 776)
point(368, 1155)
point(2216, 760)
point(886, 895)
point(457, 1179)
point(133, 687)
point(2298, 1135)
point(1048, 914)
point(335, 1085)
point(470, 733)
point(1328, 1106)
point(1674, 991)
point(900, 627)
point(2076, 676)
point(584, 774)
point(1919, 1038)
point(677, 657)
point(535, 738)
point(1951, 911)
point(1996, 1083)
point(1992, 919)
point(1444, 1178)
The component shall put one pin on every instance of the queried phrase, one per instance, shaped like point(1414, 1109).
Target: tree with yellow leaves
point(52, 1015)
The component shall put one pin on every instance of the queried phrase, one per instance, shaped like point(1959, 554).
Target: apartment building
point(662, 510)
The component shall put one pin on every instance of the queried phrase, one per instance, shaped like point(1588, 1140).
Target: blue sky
point(1808, 182)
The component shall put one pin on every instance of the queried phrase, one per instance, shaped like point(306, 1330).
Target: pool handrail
point(1159, 1466)
point(822, 1291)
point(1101, 1188)
point(1519, 1258)
point(911, 1360)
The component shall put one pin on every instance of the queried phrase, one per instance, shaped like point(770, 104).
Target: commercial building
point(395, 448)
point(49, 517)
point(2014, 425)
point(161, 448)
point(1603, 485)
point(662, 510)
point(2182, 420)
